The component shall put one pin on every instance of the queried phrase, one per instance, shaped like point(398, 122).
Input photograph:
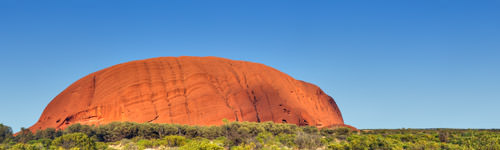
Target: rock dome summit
point(190, 90)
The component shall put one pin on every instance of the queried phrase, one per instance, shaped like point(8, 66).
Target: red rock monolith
point(190, 90)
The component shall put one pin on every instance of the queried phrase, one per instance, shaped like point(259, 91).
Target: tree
point(5, 133)
point(86, 129)
point(49, 133)
point(147, 130)
point(25, 135)
point(211, 132)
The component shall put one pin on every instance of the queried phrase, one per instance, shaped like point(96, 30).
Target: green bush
point(201, 145)
point(306, 140)
point(102, 146)
point(310, 129)
point(147, 131)
point(339, 146)
point(167, 129)
point(174, 140)
point(250, 146)
point(19, 146)
point(143, 144)
point(210, 132)
point(287, 139)
point(75, 128)
point(23, 146)
point(49, 133)
point(78, 140)
point(335, 133)
point(45, 143)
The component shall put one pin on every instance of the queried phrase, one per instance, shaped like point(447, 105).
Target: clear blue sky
point(388, 64)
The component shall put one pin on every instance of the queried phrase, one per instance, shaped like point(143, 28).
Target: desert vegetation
point(244, 136)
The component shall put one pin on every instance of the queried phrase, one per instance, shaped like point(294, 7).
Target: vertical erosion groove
point(252, 98)
point(93, 90)
point(217, 86)
point(164, 87)
point(254, 103)
point(150, 85)
point(186, 105)
point(237, 78)
point(166, 91)
point(220, 91)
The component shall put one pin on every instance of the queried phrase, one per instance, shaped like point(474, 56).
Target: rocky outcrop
point(190, 90)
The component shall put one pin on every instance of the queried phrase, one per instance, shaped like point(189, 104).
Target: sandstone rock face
point(190, 90)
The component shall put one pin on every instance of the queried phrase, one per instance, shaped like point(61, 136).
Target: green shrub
point(85, 129)
point(264, 137)
point(250, 146)
point(342, 131)
point(211, 132)
point(306, 140)
point(287, 139)
point(338, 146)
point(310, 129)
point(19, 146)
point(78, 140)
point(143, 144)
point(201, 145)
point(167, 129)
point(174, 140)
point(23, 146)
point(49, 133)
point(102, 146)
point(147, 131)
point(45, 143)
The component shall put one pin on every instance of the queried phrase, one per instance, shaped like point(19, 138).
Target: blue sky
point(388, 64)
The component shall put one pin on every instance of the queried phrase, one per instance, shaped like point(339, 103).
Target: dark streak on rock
point(186, 104)
point(150, 85)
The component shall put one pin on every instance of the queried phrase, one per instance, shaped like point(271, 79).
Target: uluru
point(190, 90)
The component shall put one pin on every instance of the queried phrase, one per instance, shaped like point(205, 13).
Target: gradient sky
point(388, 64)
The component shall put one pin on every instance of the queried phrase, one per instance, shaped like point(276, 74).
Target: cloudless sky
point(387, 64)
